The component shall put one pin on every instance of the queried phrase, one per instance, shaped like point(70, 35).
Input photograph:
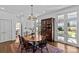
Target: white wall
point(12, 20)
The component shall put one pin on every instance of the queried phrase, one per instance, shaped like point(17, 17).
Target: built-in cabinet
point(47, 28)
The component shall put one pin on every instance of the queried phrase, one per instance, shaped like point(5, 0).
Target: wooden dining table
point(33, 39)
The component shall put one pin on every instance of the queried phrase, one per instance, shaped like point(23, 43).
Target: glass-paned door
point(72, 28)
point(60, 28)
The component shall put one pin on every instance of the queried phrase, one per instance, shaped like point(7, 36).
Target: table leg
point(34, 47)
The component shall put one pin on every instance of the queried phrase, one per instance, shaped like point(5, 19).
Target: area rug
point(51, 49)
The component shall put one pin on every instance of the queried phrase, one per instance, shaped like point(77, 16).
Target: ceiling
point(26, 9)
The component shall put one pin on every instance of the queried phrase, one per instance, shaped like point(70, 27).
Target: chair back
point(22, 41)
point(44, 40)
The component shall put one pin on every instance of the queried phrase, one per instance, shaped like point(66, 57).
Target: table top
point(33, 38)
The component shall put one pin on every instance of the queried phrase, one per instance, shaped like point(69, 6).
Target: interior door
point(5, 30)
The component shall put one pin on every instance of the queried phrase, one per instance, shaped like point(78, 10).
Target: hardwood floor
point(65, 47)
point(7, 47)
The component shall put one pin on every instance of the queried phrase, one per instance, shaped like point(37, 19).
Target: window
point(18, 28)
point(72, 27)
point(61, 17)
point(60, 27)
point(72, 15)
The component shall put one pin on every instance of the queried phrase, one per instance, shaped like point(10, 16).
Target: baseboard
point(7, 41)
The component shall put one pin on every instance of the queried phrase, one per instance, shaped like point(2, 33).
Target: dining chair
point(24, 45)
point(43, 44)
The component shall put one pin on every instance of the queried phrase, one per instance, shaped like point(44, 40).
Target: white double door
point(5, 30)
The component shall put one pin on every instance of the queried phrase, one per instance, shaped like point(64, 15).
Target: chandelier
point(32, 17)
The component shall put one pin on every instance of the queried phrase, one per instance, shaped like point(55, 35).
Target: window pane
point(60, 29)
point(72, 15)
point(72, 28)
point(61, 38)
point(72, 40)
point(61, 17)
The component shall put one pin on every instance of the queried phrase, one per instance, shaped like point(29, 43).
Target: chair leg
point(20, 49)
point(26, 50)
point(41, 50)
point(34, 49)
point(47, 49)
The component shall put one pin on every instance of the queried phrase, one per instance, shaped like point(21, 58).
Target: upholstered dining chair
point(24, 45)
point(43, 44)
